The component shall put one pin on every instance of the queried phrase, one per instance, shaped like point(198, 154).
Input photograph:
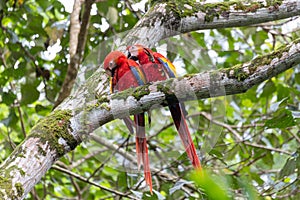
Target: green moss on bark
point(190, 7)
point(7, 186)
point(141, 91)
point(19, 189)
point(241, 73)
point(53, 129)
point(165, 87)
point(137, 93)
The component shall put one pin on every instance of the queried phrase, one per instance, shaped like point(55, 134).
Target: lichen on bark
point(7, 189)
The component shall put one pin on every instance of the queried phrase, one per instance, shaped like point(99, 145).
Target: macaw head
point(111, 62)
point(135, 52)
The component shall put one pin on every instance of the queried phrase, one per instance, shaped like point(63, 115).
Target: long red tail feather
point(142, 149)
point(184, 133)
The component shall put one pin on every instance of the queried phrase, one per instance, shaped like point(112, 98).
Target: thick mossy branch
point(236, 79)
point(173, 17)
point(55, 130)
point(181, 9)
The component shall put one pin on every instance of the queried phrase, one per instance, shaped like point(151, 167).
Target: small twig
point(12, 144)
point(21, 120)
point(268, 148)
point(108, 158)
point(85, 158)
point(77, 176)
point(276, 192)
point(132, 158)
point(77, 188)
point(294, 135)
point(228, 127)
point(240, 139)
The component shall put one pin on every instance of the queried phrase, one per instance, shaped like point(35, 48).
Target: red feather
point(156, 68)
point(125, 73)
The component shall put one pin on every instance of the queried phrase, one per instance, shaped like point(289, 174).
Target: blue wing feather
point(167, 67)
point(138, 75)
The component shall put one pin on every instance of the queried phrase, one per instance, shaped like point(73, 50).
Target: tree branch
point(237, 79)
point(187, 16)
point(77, 176)
point(78, 34)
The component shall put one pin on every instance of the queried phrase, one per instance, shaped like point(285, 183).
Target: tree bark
point(173, 18)
point(78, 33)
point(82, 113)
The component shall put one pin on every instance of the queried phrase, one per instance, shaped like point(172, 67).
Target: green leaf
point(297, 78)
point(268, 159)
point(288, 168)
point(259, 38)
point(282, 119)
point(199, 37)
point(248, 188)
point(11, 120)
point(216, 153)
point(112, 15)
point(282, 92)
point(35, 25)
point(268, 89)
point(210, 186)
point(44, 4)
point(29, 94)
point(8, 98)
point(42, 110)
point(256, 177)
point(2, 5)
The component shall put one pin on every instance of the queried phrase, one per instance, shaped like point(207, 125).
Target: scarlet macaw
point(125, 73)
point(156, 68)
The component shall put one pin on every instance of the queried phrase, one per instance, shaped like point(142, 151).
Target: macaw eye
point(111, 65)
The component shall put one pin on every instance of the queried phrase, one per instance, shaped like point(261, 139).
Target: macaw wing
point(170, 68)
point(139, 75)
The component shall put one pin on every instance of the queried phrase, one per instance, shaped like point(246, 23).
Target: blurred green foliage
point(34, 41)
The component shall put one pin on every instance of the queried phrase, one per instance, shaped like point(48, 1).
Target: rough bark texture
point(50, 139)
point(80, 114)
point(172, 18)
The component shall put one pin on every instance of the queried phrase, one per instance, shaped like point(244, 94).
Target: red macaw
point(125, 73)
point(156, 68)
